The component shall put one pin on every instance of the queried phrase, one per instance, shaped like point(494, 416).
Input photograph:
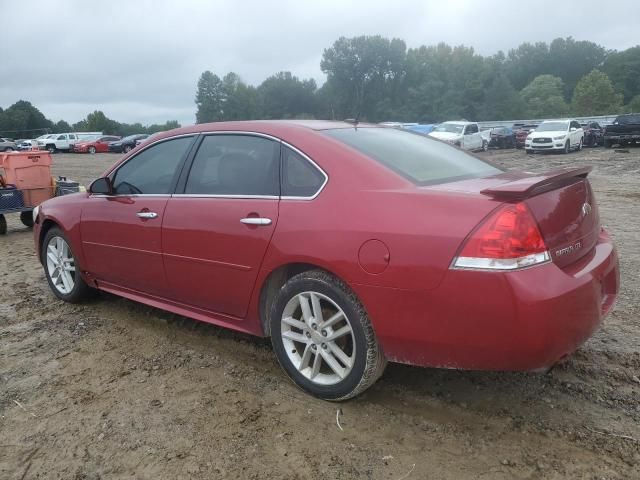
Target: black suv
point(624, 130)
point(593, 134)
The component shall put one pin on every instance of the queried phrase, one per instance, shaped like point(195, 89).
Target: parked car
point(95, 145)
point(7, 145)
point(437, 258)
point(502, 137)
point(126, 144)
point(559, 135)
point(521, 132)
point(624, 130)
point(148, 138)
point(593, 134)
point(465, 135)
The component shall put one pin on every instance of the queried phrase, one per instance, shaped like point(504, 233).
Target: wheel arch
point(275, 280)
point(47, 225)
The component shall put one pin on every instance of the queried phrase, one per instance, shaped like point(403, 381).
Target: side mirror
point(101, 186)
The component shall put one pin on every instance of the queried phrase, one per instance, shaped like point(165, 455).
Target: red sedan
point(96, 145)
point(347, 245)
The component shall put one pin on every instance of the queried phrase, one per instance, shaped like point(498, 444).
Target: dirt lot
point(113, 389)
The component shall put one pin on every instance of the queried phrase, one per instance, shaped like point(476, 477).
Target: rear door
point(121, 233)
point(217, 229)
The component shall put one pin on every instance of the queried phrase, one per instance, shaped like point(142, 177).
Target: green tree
point(23, 120)
point(209, 98)
point(97, 121)
point(61, 127)
point(594, 95)
point(634, 105)
point(286, 96)
point(363, 70)
point(543, 97)
point(240, 99)
point(502, 101)
point(623, 69)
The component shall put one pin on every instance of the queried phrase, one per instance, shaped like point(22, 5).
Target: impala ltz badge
point(570, 248)
point(586, 209)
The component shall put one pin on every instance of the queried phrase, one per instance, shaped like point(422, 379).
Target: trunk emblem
point(586, 209)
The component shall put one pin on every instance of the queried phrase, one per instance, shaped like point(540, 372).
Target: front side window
point(472, 129)
point(242, 165)
point(153, 170)
point(421, 159)
point(299, 177)
point(61, 137)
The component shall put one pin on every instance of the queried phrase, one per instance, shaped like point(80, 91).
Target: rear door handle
point(147, 214)
point(256, 221)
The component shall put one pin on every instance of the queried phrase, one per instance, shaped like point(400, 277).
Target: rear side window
point(422, 160)
point(241, 165)
point(153, 170)
point(299, 177)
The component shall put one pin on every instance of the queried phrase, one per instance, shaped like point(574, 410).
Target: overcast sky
point(139, 60)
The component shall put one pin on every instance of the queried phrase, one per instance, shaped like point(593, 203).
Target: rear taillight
point(509, 239)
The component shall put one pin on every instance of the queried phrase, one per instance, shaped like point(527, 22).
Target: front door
point(216, 231)
point(121, 233)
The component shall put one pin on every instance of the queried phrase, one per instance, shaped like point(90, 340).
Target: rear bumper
point(524, 320)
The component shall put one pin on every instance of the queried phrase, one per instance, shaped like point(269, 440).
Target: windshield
point(422, 160)
point(449, 127)
point(552, 126)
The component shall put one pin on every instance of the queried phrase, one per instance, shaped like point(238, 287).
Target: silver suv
point(7, 145)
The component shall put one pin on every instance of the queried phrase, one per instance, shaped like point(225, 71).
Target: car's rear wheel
point(580, 145)
point(485, 145)
point(127, 148)
point(8, 149)
point(323, 338)
point(61, 269)
point(607, 143)
point(92, 150)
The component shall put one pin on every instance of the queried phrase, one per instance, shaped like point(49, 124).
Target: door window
point(471, 129)
point(299, 177)
point(153, 170)
point(242, 165)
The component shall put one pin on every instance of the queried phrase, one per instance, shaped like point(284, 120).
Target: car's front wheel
point(127, 148)
point(323, 338)
point(61, 269)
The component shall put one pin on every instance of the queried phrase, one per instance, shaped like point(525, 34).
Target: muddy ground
point(114, 389)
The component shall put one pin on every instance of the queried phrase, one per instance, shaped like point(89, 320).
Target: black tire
point(80, 291)
point(92, 150)
point(529, 151)
point(50, 148)
point(8, 149)
point(580, 145)
point(607, 143)
point(27, 218)
point(567, 147)
point(127, 148)
point(368, 362)
point(485, 145)
point(3, 225)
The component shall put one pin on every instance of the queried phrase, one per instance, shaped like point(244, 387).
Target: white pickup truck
point(63, 141)
point(465, 135)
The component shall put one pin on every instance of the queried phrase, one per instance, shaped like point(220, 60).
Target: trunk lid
point(561, 201)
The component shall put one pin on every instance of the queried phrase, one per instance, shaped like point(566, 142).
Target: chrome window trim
point(270, 137)
point(102, 195)
point(209, 195)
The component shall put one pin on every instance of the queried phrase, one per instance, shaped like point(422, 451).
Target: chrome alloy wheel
point(61, 265)
point(318, 338)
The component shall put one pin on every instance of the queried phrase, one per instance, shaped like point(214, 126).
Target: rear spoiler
point(534, 185)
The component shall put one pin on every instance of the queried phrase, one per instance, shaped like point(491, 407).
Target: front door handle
point(147, 214)
point(256, 221)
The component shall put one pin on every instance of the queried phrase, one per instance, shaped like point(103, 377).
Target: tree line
point(23, 120)
point(379, 79)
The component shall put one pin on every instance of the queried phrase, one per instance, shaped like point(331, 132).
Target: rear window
point(422, 160)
